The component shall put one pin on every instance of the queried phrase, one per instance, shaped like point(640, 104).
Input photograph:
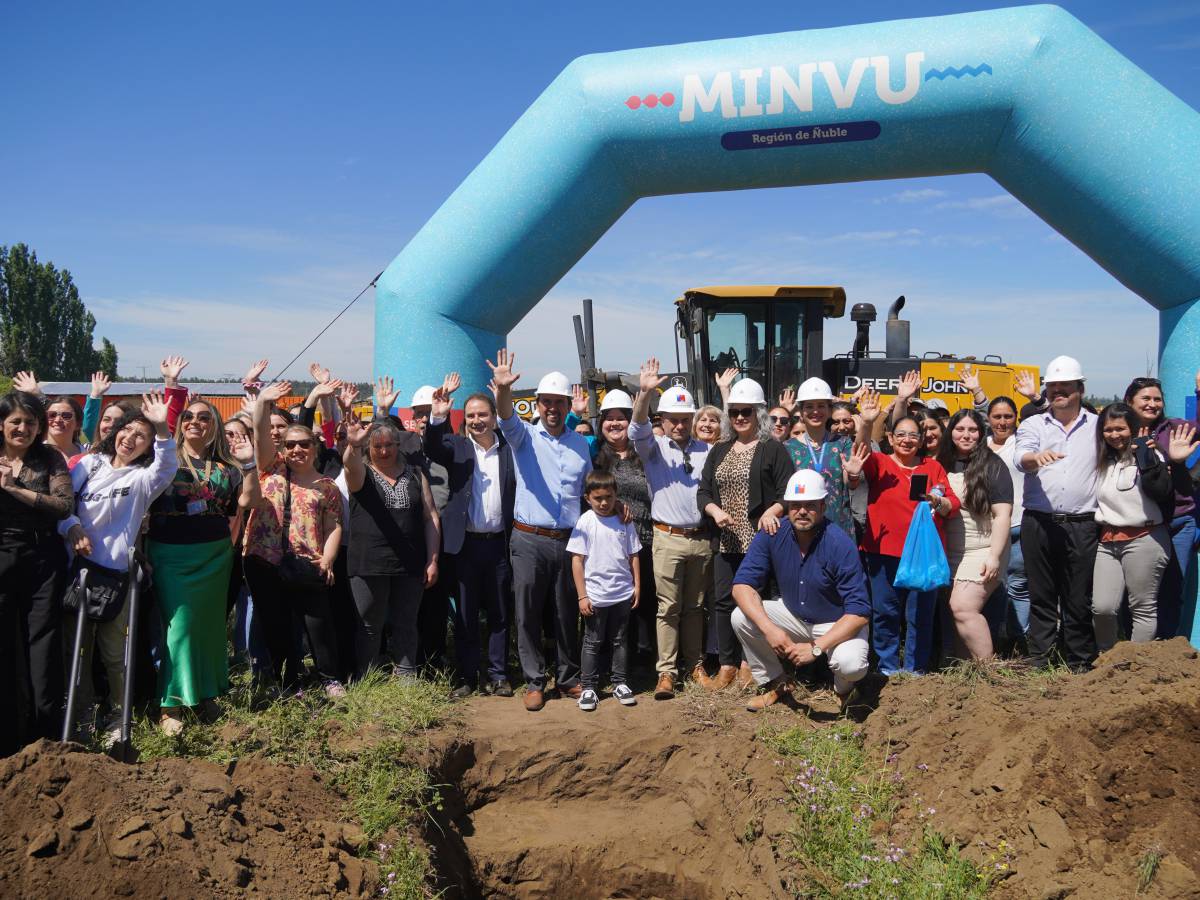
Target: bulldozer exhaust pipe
point(896, 332)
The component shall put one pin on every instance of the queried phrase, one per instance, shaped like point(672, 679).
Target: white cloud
point(1005, 206)
point(913, 196)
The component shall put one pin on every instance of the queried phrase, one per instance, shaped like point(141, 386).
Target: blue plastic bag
point(923, 565)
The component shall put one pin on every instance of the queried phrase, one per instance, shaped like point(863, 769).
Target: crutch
point(135, 578)
point(77, 656)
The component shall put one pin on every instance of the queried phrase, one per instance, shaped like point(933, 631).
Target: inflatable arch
point(1030, 96)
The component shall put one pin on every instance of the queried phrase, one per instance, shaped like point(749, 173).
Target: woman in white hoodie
point(113, 489)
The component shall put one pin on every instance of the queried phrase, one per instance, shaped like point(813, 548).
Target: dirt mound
point(623, 802)
point(1083, 777)
point(75, 824)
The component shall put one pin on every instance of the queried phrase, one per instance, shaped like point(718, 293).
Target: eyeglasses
point(65, 416)
point(303, 444)
point(203, 418)
point(906, 435)
point(742, 412)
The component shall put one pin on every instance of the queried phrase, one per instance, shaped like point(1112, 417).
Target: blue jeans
point(1014, 592)
point(888, 606)
point(1176, 610)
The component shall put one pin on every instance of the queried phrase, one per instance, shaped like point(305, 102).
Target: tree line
point(44, 325)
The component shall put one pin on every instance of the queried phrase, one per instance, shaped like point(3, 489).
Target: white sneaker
point(334, 690)
point(625, 695)
point(588, 700)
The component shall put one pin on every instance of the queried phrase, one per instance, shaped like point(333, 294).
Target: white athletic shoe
point(625, 695)
point(588, 700)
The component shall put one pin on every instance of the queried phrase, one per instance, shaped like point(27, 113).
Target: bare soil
point(79, 824)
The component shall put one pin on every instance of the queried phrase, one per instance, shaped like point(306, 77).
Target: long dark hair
point(606, 456)
point(30, 404)
point(978, 499)
point(108, 446)
point(1105, 455)
point(1140, 384)
point(921, 416)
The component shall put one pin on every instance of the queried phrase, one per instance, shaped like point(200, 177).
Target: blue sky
point(220, 179)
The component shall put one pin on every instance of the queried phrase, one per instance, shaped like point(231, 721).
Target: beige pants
point(109, 638)
point(848, 660)
point(682, 572)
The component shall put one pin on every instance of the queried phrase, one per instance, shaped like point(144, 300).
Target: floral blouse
point(315, 512)
point(827, 459)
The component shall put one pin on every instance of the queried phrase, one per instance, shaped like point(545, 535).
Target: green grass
point(843, 803)
point(1147, 868)
point(367, 744)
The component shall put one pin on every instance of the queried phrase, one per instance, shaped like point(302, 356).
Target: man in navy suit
point(476, 523)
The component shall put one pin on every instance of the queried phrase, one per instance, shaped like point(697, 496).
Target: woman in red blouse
point(889, 512)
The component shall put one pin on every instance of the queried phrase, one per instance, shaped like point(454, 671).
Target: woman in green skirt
point(190, 547)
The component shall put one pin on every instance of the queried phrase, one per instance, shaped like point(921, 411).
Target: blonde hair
point(706, 410)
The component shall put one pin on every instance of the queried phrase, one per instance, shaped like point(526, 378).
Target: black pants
point(434, 618)
point(603, 636)
point(484, 586)
point(1059, 558)
point(542, 578)
point(33, 574)
point(725, 566)
point(641, 634)
point(283, 608)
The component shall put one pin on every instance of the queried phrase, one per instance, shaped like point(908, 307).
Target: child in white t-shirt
point(605, 565)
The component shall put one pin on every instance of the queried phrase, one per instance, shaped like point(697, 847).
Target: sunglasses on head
point(202, 417)
point(65, 416)
point(302, 443)
point(742, 412)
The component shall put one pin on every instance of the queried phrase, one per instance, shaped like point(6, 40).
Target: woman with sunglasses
point(190, 546)
point(114, 487)
point(780, 419)
point(1145, 397)
point(1135, 498)
point(65, 419)
point(890, 507)
point(741, 491)
point(35, 493)
point(977, 541)
point(297, 525)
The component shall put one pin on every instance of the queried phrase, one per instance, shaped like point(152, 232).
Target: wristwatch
point(817, 652)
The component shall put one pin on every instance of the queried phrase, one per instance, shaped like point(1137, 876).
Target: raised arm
point(352, 457)
point(868, 413)
point(264, 446)
point(649, 381)
point(503, 377)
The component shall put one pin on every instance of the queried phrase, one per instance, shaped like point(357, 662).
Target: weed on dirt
point(367, 743)
point(844, 803)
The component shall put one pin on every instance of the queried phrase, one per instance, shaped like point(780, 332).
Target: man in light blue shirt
point(682, 550)
point(552, 463)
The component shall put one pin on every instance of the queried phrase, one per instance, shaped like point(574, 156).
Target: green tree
point(44, 325)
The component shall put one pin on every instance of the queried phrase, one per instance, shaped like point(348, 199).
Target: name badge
point(197, 508)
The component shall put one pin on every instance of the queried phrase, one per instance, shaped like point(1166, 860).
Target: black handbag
point(296, 571)
point(105, 594)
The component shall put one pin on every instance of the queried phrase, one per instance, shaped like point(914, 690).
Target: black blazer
point(770, 470)
point(457, 454)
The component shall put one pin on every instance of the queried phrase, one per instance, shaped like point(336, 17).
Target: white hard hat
point(423, 396)
point(814, 389)
point(556, 384)
point(805, 484)
point(1064, 368)
point(676, 400)
point(616, 399)
point(747, 391)
point(937, 403)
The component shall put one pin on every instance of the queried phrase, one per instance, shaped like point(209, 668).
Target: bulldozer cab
point(770, 333)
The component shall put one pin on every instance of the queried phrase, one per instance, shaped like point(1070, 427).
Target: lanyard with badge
point(198, 507)
point(818, 461)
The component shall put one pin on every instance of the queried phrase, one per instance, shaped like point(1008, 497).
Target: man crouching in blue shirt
point(825, 606)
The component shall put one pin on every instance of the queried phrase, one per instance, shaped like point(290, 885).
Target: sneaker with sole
point(462, 692)
point(588, 700)
point(625, 695)
point(501, 688)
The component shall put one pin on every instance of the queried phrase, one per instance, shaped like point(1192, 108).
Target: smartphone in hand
point(918, 487)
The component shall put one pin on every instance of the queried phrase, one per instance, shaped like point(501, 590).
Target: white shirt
point(1069, 484)
point(606, 543)
point(486, 514)
point(1006, 453)
point(672, 474)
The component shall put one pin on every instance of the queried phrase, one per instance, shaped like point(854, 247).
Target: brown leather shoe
point(534, 700)
point(724, 678)
point(745, 679)
point(574, 692)
point(702, 678)
point(775, 691)
point(665, 689)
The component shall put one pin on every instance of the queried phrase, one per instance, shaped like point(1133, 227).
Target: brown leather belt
point(682, 532)
point(559, 534)
point(1109, 534)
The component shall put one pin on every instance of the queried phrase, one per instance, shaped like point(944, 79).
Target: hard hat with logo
point(676, 400)
point(814, 389)
point(747, 391)
point(805, 484)
point(423, 396)
point(616, 399)
point(554, 384)
point(1064, 368)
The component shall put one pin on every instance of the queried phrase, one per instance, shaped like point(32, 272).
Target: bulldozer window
point(788, 347)
point(737, 337)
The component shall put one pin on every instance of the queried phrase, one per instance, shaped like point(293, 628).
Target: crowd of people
point(732, 546)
